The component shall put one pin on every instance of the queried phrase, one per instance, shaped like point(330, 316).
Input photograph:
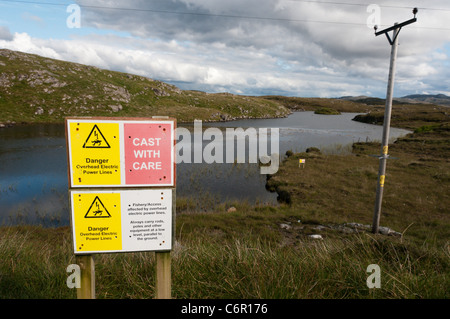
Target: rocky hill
point(437, 99)
point(38, 89)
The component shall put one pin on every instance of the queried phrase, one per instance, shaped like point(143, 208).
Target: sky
point(304, 48)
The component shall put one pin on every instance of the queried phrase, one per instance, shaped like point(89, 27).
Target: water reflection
point(33, 175)
point(33, 166)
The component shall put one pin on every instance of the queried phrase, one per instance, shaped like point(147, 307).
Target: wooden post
point(164, 260)
point(163, 275)
point(87, 282)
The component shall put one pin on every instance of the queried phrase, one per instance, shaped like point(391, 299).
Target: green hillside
point(38, 89)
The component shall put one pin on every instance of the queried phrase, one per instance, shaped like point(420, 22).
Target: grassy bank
point(337, 189)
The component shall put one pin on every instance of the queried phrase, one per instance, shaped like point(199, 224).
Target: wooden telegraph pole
point(387, 116)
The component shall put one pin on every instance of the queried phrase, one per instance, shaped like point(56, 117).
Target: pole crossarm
point(396, 26)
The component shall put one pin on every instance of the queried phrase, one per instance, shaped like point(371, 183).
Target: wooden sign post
point(163, 275)
point(87, 274)
point(122, 192)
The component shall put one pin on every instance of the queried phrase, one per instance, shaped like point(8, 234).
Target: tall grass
point(33, 266)
point(325, 269)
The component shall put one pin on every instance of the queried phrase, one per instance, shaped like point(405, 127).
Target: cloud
point(5, 34)
point(258, 46)
point(33, 18)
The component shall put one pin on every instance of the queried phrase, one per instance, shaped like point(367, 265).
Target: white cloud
point(258, 46)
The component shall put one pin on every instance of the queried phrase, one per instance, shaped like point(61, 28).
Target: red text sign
point(148, 153)
point(109, 152)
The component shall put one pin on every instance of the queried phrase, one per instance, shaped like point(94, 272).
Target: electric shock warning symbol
point(96, 139)
point(97, 210)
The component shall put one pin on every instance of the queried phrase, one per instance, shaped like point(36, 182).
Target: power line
point(186, 13)
point(364, 5)
point(152, 10)
point(229, 15)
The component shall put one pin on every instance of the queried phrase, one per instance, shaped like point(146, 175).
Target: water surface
point(33, 165)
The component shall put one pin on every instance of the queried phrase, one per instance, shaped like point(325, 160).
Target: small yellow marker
point(382, 178)
point(301, 161)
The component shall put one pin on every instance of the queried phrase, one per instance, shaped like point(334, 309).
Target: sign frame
point(129, 239)
point(118, 178)
point(136, 192)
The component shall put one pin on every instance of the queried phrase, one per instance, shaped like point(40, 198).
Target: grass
point(33, 262)
point(314, 104)
point(338, 189)
point(242, 267)
point(326, 111)
point(243, 270)
point(408, 116)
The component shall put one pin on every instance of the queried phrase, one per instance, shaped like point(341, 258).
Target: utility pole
point(387, 115)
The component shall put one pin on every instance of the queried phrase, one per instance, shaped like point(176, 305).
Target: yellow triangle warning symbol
point(96, 139)
point(97, 210)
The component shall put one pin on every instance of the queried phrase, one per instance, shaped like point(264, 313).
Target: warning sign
point(121, 221)
point(118, 153)
point(97, 222)
point(94, 152)
point(301, 162)
point(97, 210)
point(96, 139)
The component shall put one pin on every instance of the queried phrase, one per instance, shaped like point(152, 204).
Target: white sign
point(121, 220)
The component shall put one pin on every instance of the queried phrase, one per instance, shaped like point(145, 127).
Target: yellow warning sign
point(96, 139)
point(96, 220)
point(94, 151)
